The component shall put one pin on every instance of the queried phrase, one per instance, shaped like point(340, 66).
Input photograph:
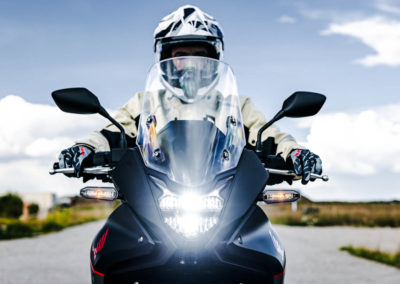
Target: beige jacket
point(253, 119)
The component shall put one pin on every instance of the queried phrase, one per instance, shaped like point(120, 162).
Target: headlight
point(190, 214)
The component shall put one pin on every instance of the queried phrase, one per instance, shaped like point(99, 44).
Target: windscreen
point(191, 125)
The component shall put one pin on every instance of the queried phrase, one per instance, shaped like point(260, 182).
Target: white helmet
point(187, 26)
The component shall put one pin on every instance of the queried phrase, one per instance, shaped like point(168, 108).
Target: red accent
point(82, 151)
point(279, 275)
point(297, 153)
point(95, 271)
point(100, 244)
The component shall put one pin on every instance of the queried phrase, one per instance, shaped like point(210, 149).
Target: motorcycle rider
point(188, 31)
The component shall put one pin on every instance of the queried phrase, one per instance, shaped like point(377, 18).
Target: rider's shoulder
point(244, 100)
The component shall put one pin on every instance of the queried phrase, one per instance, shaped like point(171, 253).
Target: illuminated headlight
point(191, 214)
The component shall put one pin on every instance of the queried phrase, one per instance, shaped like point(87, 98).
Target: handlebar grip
point(61, 171)
point(292, 174)
point(92, 171)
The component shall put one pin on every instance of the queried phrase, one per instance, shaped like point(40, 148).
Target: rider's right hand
point(75, 157)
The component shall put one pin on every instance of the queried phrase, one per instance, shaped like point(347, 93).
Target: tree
point(11, 206)
point(33, 209)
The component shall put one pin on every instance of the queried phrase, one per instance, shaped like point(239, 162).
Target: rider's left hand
point(305, 163)
point(75, 157)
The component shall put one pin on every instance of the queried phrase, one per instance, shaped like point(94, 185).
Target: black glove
point(75, 157)
point(305, 163)
point(276, 162)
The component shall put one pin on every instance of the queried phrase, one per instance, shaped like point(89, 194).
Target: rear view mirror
point(77, 100)
point(83, 101)
point(302, 104)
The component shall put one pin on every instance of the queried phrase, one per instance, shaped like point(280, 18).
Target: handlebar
point(92, 170)
point(100, 170)
point(292, 174)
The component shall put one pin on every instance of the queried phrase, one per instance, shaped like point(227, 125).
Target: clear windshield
point(191, 125)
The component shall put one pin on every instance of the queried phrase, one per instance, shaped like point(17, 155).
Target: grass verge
point(359, 214)
point(375, 255)
point(57, 220)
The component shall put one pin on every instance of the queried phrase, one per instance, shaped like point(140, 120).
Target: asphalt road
point(312, 256)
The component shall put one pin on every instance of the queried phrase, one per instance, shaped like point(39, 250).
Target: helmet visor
point(165, 47)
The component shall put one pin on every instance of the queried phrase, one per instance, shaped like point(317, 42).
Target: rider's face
point(187, 51)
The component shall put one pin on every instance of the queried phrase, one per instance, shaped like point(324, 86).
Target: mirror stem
point(278, 116)
point(104, 113)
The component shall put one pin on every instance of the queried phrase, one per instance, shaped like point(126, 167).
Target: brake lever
point(293, 174)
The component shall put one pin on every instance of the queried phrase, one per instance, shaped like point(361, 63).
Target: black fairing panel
point(255, 245)
point(249, 180)
point(126, 240)
point(133, 183)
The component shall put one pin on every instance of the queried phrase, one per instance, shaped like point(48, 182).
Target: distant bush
point(33, 209)
point(311, 210)
point(51, 226)
point(11, 206)
point(17, 230)
point(56, 220)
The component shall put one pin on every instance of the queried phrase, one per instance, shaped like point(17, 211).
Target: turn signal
point(100, 193)
point(279, 196)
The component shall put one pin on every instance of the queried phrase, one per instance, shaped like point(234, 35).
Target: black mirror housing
point(83, 101)
point(302, 104)
point(77, 100)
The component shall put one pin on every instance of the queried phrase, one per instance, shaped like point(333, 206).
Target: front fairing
point(141, 188)
point(140, 246)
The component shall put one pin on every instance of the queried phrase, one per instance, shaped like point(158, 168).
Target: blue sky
point(107, 46)
point(274, 48)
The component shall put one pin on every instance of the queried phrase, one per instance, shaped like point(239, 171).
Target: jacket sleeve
point(127, 116)
point(253, 120)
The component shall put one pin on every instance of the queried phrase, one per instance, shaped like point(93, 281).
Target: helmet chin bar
point(189, 85)
point(194, 79)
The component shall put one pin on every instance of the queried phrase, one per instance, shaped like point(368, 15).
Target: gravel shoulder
point(313, 256)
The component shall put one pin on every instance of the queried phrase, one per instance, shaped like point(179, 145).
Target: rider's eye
point(201, 53)
point(181, 53)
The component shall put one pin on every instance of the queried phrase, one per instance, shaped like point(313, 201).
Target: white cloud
point(287, 20)
point(379, 33)
point(34, 130)
point(362, 143)
point(31, 137)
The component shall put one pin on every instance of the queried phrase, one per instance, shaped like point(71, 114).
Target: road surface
point(312, 256)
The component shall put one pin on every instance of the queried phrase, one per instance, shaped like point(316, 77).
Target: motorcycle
point(190, 188)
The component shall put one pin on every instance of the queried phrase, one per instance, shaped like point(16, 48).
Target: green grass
point(375, 255)
point(57, 220)
point(375, 214)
